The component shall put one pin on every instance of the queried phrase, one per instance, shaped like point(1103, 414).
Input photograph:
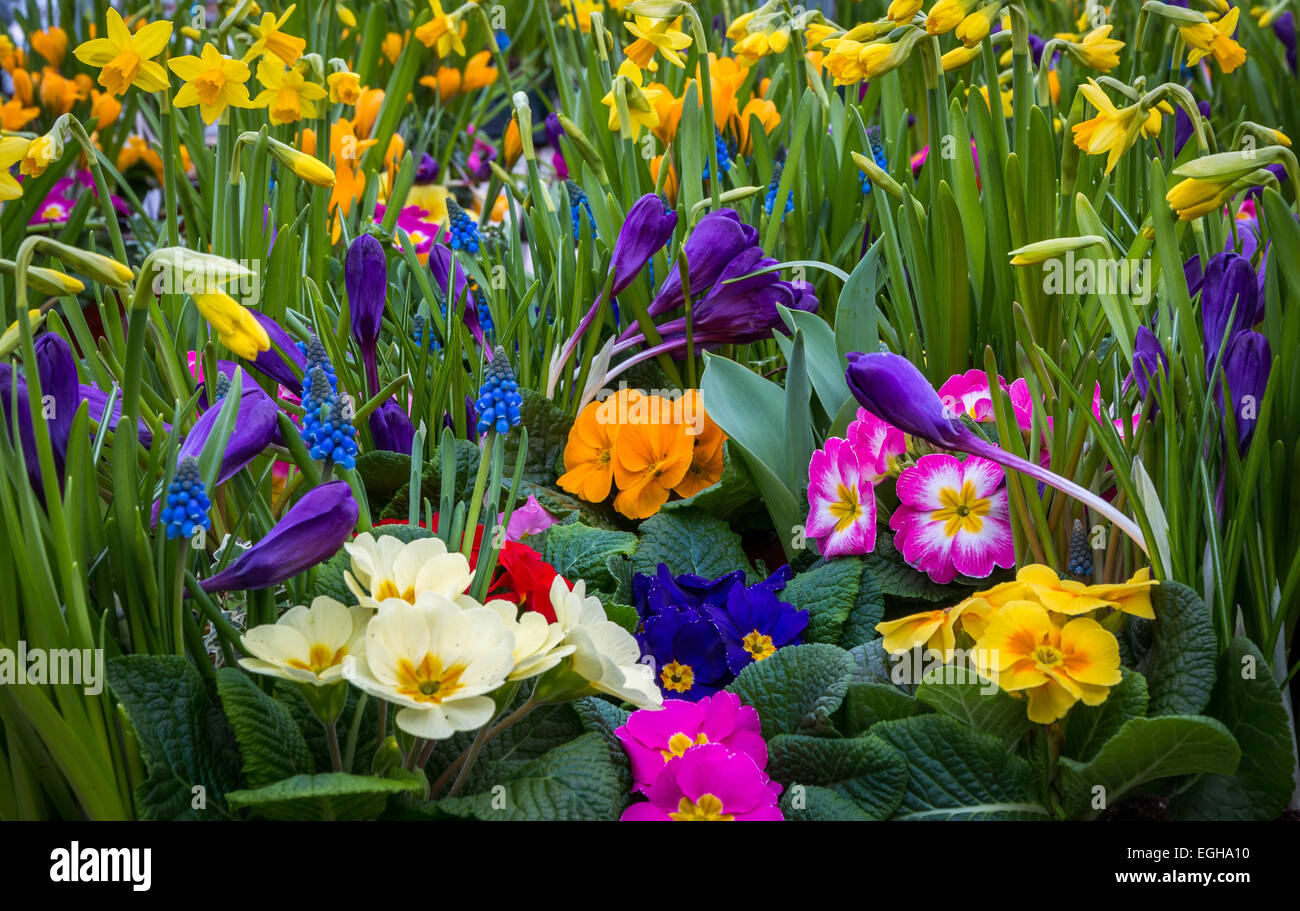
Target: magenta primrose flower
point(709, 783)
point(653, 739)
point(841, 500)
point(953, 517)
point(878, 445)
point(968, 393)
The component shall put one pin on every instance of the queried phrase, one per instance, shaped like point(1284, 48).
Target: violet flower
point(894, 390)
point(271, 363)
point(1284, 29)
point(1230, 289)
point(456, 292)
point(308, 534)
point(97, 401)
point(1246, 365)
point(1149, 361)
point(56, 369)
point(391, 428)
point(255, 428)
point(366, 277)
point(717, 240)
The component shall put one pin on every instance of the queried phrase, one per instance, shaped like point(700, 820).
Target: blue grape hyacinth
point(316, 357)
point(1080, 561)
point(769, 201)
point(464, 230)
point(326, 430)
point(498, 398)
point(187, 502)
point(878, 153)
point(578, 202)
point(724, 155)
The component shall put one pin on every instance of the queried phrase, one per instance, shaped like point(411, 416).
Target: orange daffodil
point(1037, 635)
point(213, 81)
point(288, 96)
point(126, 60)
point(646, 446)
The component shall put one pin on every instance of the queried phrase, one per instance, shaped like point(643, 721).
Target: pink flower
point(968, 393)
point(953, 517)
point(841, 501)
point(652, 739)
point(878, 445)
point(413, 220)
point(1119, 424)
point(709, 783)
point(529, 519)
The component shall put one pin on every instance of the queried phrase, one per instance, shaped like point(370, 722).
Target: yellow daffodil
point(739, 26)
point(41, 152)
point(443, 31)
point(346, 16)
point(234, 324)
point(959, 57)
point(902, 11)
point(287, 95)
point(851, 61)
point(657, 35)
point(1098, 50)
point(578, 16)
point(51, 43)
point(1054, 666)
point(11, 56)
point(1112, 132)
point(1214, 38)
point(271, 39)
point(10, 338)
point(307, 644)
point(640, 102)
point(213, 81)
point(126, 60)
point(12, 149)
point(974, 27)
point(815, 33)
point(1155, 119)
point(14, 116)
point(345, 87)
point(946, 15)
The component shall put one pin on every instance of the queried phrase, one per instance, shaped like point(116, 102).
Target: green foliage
point(270, 744)
point(326, 796)
point(578, 551)
point(842, 599)
point(964, 695)
point(1179, 668)
point(689, 541)
point(866, 771)
point(797, 689)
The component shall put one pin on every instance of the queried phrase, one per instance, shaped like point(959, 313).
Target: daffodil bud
point(1043, 250)
point(657, 9)
point(101, 268)
point(1179, 14)
point(580, 142)
point(308, 167)
point(9, 340)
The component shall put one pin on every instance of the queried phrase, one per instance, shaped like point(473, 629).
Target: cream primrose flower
point(307, 644)
point(539, 646)
point(605, 658)
point(385, 568)
point(437, 661)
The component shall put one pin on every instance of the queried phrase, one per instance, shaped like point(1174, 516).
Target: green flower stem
point(706, 86)
point(476, 498)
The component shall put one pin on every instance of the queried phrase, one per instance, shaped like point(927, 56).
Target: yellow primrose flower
point(287, 96)
point(443, 30)
point(1132, 597)
point(384, 567)
point(125, 59)
point(657, 34)
point(213, 81)
point(640, 101)
point(975, 27)
point(271, 40)
point(41, 152)
point(235, 326)
point(1112, 132)
point(12, 150)
point(307, 644)
point(436, 661)
point(1214, 38)
point(52, 44)
point(14, 116)
point(935, 629)
point(345, 87)
point(1054, 666)
point(946, 15)
point(902, 11)
point(1098, 50)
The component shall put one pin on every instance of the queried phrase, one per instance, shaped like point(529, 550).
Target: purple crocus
point(1284, 29)
point(391, 428)
point(1246, 365)
point(717, 240)
point(427, 170)
point(894, 390)
point(1230, 292)
point(1149, 361)
point(648, 226)
point(456, 291)
point(97, 401)
point(57, 372)
point(255, 427)
point(366, 276)
point(308, 534)
point(1184, 129)
point(553, 133)
point(271, 363)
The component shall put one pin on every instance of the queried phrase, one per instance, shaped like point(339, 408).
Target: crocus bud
point(1230, 288)
point(308, 534)
point(1149, 361)
point(891, 388)
point(391, 427)
point(366, 277)
point(647, 227)
point(1246, 366)
point(255, 428)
